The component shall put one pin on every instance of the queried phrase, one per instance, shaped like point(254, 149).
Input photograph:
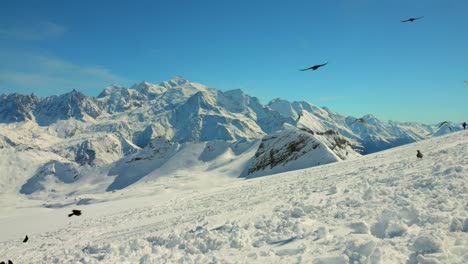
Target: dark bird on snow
point(298, 117)
point(315, 67)
point(361, 120)
point(419, 155)
point(445, 123)
point(75, 212)
point(25, 239)
point(412, 19)
point(3, 262)
point(10, 262)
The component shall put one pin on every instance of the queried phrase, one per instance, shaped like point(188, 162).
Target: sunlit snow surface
point(387, 207)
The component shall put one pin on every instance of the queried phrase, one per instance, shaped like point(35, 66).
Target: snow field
point(387, 207)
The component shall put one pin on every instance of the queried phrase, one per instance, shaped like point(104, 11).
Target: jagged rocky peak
point(17, 107)
point(293, 149)
point(70, 105)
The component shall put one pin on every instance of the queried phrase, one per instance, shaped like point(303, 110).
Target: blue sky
point(378, 65)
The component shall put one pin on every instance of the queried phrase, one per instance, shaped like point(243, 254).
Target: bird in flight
point(25, 239)
point(412, 19)
point(445, 123)
point(75, 212)
point(466, 82)
point(315, 67)
point(361, 120)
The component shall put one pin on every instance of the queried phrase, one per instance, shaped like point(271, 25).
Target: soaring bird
point(25, 239)
point(361, 120)
point(419, 155)
point(466, 82)
point(75, 212)
point(445, 123)
point(315, 67)
point(412, 19)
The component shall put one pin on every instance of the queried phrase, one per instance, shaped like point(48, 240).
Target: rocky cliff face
point(293, 149)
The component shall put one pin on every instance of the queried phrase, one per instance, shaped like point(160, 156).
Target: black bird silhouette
point(362, 120)
point(299, 117)
point(75, 212)
point(412, 19)
point(10, 262)
point(445, 123)
point(25, 239)
point(419, 155)
point(315, 67)
point(3, 262)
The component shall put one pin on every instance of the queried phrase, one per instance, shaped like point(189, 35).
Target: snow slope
point(386, 207)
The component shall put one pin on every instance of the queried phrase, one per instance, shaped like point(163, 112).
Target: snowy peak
point(113, 90)
point(293, 149)
point(17, 107)
point(148, 89)
point(177, 81)
point(70, 105)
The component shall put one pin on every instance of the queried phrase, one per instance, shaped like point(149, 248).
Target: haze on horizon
point(377, 65)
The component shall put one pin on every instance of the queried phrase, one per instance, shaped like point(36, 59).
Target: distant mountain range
point(148, 124)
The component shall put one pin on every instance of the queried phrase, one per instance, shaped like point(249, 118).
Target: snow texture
point(386, 207)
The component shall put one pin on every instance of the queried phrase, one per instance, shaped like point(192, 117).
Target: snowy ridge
point(233, 114)
point(387, 207)
point(107, 131)
point(293, 149)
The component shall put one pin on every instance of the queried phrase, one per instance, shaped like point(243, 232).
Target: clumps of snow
point(332, 260)
point(360, 227)
point(362, 249)
point(426, 244)
point(389, 225)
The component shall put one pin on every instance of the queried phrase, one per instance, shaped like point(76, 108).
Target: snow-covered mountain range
point(137, 132)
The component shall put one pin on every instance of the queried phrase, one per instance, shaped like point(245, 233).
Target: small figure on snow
point(299, 117)
point(464, 125)
point(419, 155)
point(25, 239)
